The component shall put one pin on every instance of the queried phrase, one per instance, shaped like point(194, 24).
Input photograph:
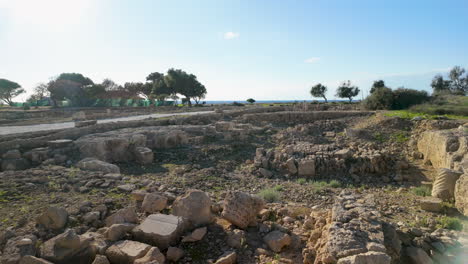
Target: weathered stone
point(125, 215)
point(92, 164)
point(153, 203)
point(126, 187)
point(277, 240)
point(196, 235)
point(417, 256)
point(344, 153)
point(101, 259)
point(144, 155)
point(291, 165)
point(34, 260)
point(227, 258)
point(118, 231)
point(306, 168)
point(461, 194)
point(265, 173)
point(241, 209)
point(18, 247)
point(442, 148)
point(78, 116)
point(236, 238)
point(444, 184)
point(37, 155)
point(160, 230)
point(153, 256)
point(174, 254)
point(54, 218)
point(126, 251)
point(139, 195)
point(370, 257)
point(431, 204)
point(195, 206)
point(67, 247)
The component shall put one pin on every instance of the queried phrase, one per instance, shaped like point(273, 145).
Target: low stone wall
point(301, 117)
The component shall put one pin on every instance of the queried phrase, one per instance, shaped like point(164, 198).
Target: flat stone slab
point(161, 230)
point(60, 143)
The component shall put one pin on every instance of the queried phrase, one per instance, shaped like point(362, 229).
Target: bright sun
point(46, 14)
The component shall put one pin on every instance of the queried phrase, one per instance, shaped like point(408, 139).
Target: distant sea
point(272, 101)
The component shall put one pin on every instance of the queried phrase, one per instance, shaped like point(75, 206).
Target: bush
point(404, 98)
point(381, 98)
point(270, 195)
point(447, 222)
point(26, 106)
point(301, 181)
point(237, 104)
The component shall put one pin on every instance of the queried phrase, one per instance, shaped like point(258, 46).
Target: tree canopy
point(376, 85)
point(319, 90)
point(251, 100)
point(456, 84)
point(346, 90)
point(9, 90)
point(185, 84)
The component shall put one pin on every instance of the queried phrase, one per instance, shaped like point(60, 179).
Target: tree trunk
point(326, 101)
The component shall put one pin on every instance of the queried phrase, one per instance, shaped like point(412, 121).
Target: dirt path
point(5, 130)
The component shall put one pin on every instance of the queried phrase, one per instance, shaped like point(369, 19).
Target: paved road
point(5, 130)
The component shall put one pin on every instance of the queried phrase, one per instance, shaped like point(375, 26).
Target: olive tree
point(346, 90)
point(319, 90)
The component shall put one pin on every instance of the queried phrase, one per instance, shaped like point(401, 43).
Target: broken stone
point(144, 155)
point(54, 218)
point(65, 248)
point(236, 238)
point(126, 251)
point(174, 254)
point(196, 235)
point(291, 164)
point(241, 209)
point(370, 257)
point(160, 230)
point(265, 173)
point(461, 194)
point(306, 168)
point(153, 256)
point(18, 247)
point(92, 164)
point(417, 256)
point(431, 204)
point(101, 259)
point(118, 231)
point(277, 240)
point(227, 258)
point(33, 260)
point(195, 206)
point(126, 215)
point(153, 203)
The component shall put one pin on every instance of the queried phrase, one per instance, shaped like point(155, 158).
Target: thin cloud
point(312, 60)
point(231, 35)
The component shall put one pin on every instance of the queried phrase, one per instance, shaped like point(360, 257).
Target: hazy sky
point(265, 49)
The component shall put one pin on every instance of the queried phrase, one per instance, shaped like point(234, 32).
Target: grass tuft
point(270, 195)
point(421, 191)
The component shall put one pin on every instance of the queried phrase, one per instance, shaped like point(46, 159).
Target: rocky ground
point(237, 189)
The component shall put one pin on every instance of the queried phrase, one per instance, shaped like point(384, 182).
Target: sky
point(264, 49)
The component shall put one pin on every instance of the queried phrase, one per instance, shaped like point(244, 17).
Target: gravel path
point(5, 130)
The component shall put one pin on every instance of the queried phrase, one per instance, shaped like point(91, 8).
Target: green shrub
point(278, 188)
point(301, 181)
point(334, 184)
point(447, 222)
point(421, 191)
point(270, 195)
point(404, 98)
point(381, 98)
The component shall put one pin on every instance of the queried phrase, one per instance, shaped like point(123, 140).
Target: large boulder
point(160, 230)
point(54, 218)
point(126, 251)
point(461, 194)
point(33, 260)
point(143, 155)
point(153, 256)
point(444, 184)
point(417, 256)
point(92, 164)
point(241, 209)
point(371, 257)
point(118, 231)
point(431, 204)
point(195, 206)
